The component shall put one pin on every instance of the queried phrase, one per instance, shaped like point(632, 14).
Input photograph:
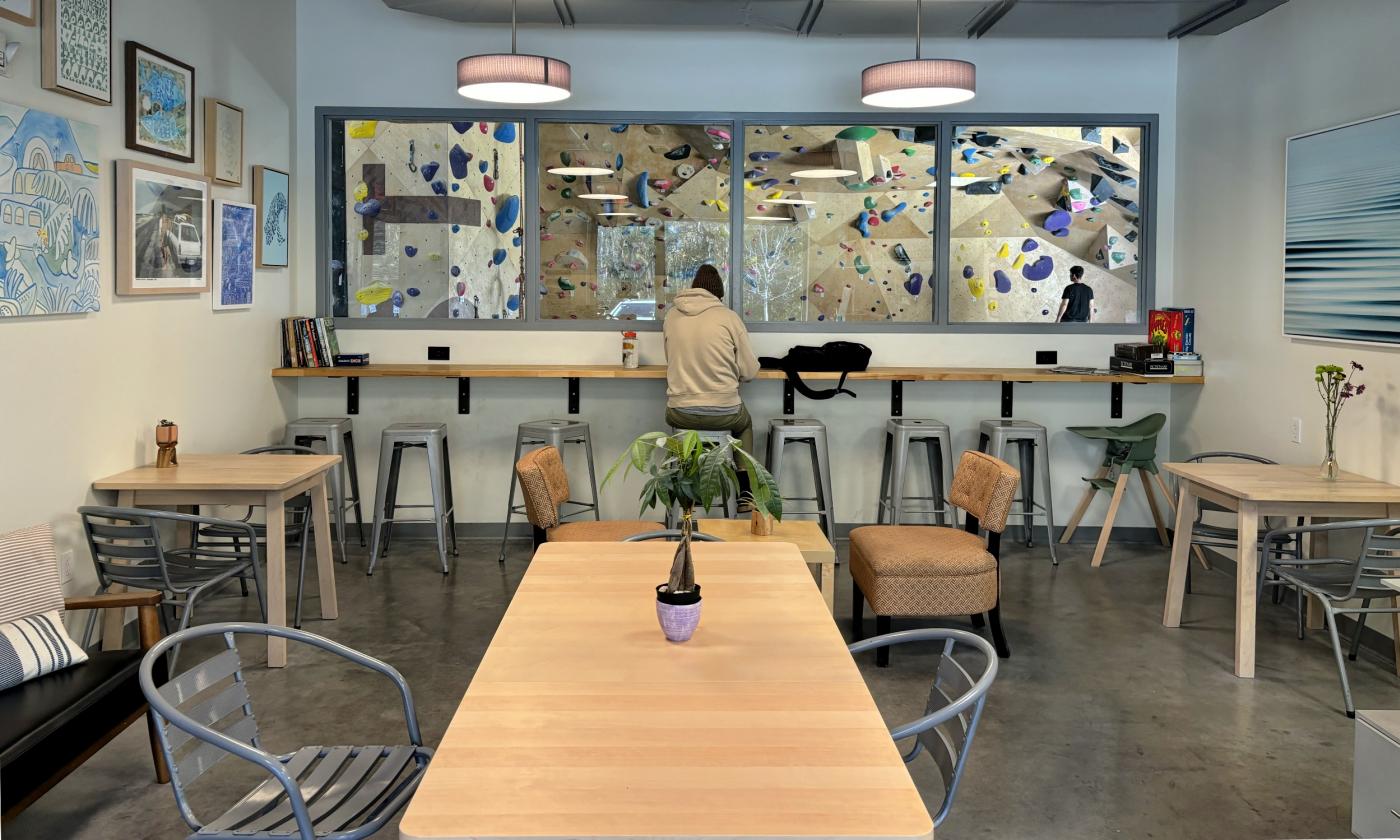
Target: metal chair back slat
point(202, 677)
point(231, 699)
point(202, 756)
point(120, 532)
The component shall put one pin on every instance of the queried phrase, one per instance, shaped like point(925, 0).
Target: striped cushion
point(34, 646)
point(29, 582)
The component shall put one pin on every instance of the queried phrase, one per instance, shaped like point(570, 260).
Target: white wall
point(360, 53)
point(82, 393)
point(1304, 66)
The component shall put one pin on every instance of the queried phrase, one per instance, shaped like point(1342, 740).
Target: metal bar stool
point(708, 437)
point(392, 443)
point(553, 433)
point(337, 435)
point(900, 434)
point(812, 433)
point(1033, 452)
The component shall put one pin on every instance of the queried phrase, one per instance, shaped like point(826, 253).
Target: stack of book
point(1140, 358)
point(1175, 330)
point(1187, 364)
point(309, 342)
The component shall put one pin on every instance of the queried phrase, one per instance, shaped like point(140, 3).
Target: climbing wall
point(1030, 202)
point(674, 183)
point(433, 228)
point(862, 250)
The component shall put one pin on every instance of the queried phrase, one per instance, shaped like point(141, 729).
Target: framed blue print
point(235, 226)
point(272, 193)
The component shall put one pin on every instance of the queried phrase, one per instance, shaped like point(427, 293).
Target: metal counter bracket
point(573, 394)
point(1006, 390)
point(789, 399)
point(1115, 400)
point(352, 395)
point(464, 395)
point(897, 398)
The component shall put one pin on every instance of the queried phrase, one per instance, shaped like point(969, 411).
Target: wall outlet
point(1047, 357)
point(439, 354)
point(65, 566)
point(1295, 429)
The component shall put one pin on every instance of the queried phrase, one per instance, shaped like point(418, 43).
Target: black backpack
point(844, 357)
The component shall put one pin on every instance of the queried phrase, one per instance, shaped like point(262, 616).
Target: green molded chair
point(1128, 448)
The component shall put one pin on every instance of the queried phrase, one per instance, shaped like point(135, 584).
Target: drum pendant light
point(513, 78)
point(921, 82)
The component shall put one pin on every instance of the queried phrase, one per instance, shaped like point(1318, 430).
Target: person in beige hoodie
point(707, 356)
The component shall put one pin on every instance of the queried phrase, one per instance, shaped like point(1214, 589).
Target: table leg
point(1181, 555)
point(113, 621)
point(1246, 586)
point(325, 563)
point(276, 578)
point(1319, 548)
point(829, 584)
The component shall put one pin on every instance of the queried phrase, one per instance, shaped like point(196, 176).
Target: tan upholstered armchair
point(929, 571)
point(545, 485)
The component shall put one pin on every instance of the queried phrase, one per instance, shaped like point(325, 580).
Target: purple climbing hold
point(369, 207)
point(455, 271)
point(397, 298)
point(413, 292)
point(432, 215)
point(507, 212)
point(1062, 232)
point(1029, 245)
point(769, 184)
point(1003, 282)
point(1038, 270)
point(893, 211)
point(498, 256)
point(410, 250)
point(439, 188)
point(457, 161)
point(505, 132)
point(1058, 220)
point(461, 126)
point(428, 170)
point(968, 272)
point(762, 156)
point(914, 284)
point(1044, 312)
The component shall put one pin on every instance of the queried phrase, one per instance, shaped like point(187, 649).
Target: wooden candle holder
point(167, 438)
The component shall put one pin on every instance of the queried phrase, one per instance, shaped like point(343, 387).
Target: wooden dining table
point(265, 481)
point(582, 721)
point(1254, 491)
point(806, 534)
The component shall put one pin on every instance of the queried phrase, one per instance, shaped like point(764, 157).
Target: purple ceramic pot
point(678, 614)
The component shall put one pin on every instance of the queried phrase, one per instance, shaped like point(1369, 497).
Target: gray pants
point(738, 424)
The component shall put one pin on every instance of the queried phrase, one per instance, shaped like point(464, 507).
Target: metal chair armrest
point(948, 637)
point(1352, 525)
point(110, 600)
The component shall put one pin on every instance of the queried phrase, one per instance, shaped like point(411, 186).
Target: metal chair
point(315, 793)
point(127, 549)
point(1032, 442)
point(337, 433)
point(297, 530)
point(672, 535)
point(1337, 581)
point(955, 703)
point(901, 433)
point(1225, 536)
point(811, 433)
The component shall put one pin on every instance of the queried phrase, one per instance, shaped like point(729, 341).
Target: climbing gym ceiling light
point(920, 82)
point(513, 78)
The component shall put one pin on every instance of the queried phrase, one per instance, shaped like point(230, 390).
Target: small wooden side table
point(806, 534)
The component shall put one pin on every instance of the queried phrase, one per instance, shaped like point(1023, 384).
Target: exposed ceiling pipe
point(989, 17)
point(1206, 18)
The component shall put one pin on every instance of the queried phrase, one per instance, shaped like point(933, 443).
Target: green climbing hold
point(554, 217)
point(566, 193)
point(566, 158)
point(569, 179)
point(861, 266)
point(566, 285)
point(869, 202)
point(910, 151)
point(856, 132)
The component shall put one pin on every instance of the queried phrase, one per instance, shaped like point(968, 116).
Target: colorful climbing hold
point(1004, 251)
point(410, 250)
point(1038, 270)
point(863, 225)
point(413, 291)
point(439, 188)
point(461, 126)
point(1018, 262)
point(901, 255)
point(976, 287)
point(488, 182)
point(914, 284)
point(910, 151)
point(1002, 280)
point(565, 285)
point(968, 272)
point(361, 191)
point(506, 212)
point(362, 235)
point(861, 266)
point(1029, 245)
point(870, 202)
point(369, 207)
point(856, 132)
point(457, 160)
point(428, 170)
point(1058, 222)
point(894, 211)
point(455, 271)
point(498, 256)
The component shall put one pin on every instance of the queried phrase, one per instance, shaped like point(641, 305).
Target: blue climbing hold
point(513, 303)
point(428, 170)
point(515, 241)
point(642, 198)
point(368, 207)
point(455, 186)
point(863, 225)
point(505, 132)
point(969, 155)
point(397, 298)
point(498, 256)
point(456, 271)
point(456, 228)
point(762, 156)
point(1058, 220)
point(461, 126)
point(440, 188)
point(619, 128)
point(893, 211)
point(410, 250)
point(507, 212)
point(1029, 245)
point(914, 284)
point(432, 215)
point(457, 161)
point(1038, 270)
point(932, 170)
point(413, 292)
point(968, 272)
point(1003, 282)
point(482, 166)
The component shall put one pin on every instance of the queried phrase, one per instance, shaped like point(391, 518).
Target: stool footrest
point(1102, 483)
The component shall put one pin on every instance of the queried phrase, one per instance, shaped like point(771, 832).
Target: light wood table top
point(1284, 483)
point(222, 472)
point(582, 721)
point(885, 374)
point(806, 534)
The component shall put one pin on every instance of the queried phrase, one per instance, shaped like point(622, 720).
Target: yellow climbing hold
point(968, 175)
point(976, 286)
point(1048, 159)
point(1004, 251)
point(361, 191)
point(1032, 195)
point(375, 293)
point(776, 194)
point(362, 129)
point(1005, 170)
point(1020, 261)
point(435, 257)
point(723, 208)
point(363, 235)
point(986, 222)
point(1025, 225)
point(991, 306)
point(748, 185)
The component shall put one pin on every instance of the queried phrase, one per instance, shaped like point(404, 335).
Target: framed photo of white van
point(162, 230)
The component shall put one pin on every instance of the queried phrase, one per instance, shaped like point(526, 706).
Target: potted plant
point(684, 472)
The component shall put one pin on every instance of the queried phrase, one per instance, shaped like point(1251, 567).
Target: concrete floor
point(1101, 723)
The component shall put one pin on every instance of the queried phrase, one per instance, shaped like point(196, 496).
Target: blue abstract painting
point(49, 188)
point(1341, 275)
point(272, 195)
point(163, 90)
point(234, 229)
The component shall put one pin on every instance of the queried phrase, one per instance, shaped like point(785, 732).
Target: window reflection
point(838, 222)
point(627, 215)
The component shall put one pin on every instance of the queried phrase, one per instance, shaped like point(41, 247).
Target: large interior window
point(839, 222)
point(1031, 202)
point(628, 212)
point(425, 219)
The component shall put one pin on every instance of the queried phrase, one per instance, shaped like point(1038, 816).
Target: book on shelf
point(1142, 367)
point(309, 342)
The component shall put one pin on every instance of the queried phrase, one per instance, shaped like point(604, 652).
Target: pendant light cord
point(918, 29)
point(513, 4)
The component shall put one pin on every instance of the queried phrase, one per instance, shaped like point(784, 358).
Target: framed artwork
point(235, 225)
point(272, 193)
point(1341, 260)
point(50, 187)
point(159, 104)
point(20, 11)
point(162, 225)
point(223, 142)
point(76, 49)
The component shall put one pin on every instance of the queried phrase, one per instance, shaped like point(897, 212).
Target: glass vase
point(1329, 469)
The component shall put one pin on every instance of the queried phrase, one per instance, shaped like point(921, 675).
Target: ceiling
point(941, 18)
